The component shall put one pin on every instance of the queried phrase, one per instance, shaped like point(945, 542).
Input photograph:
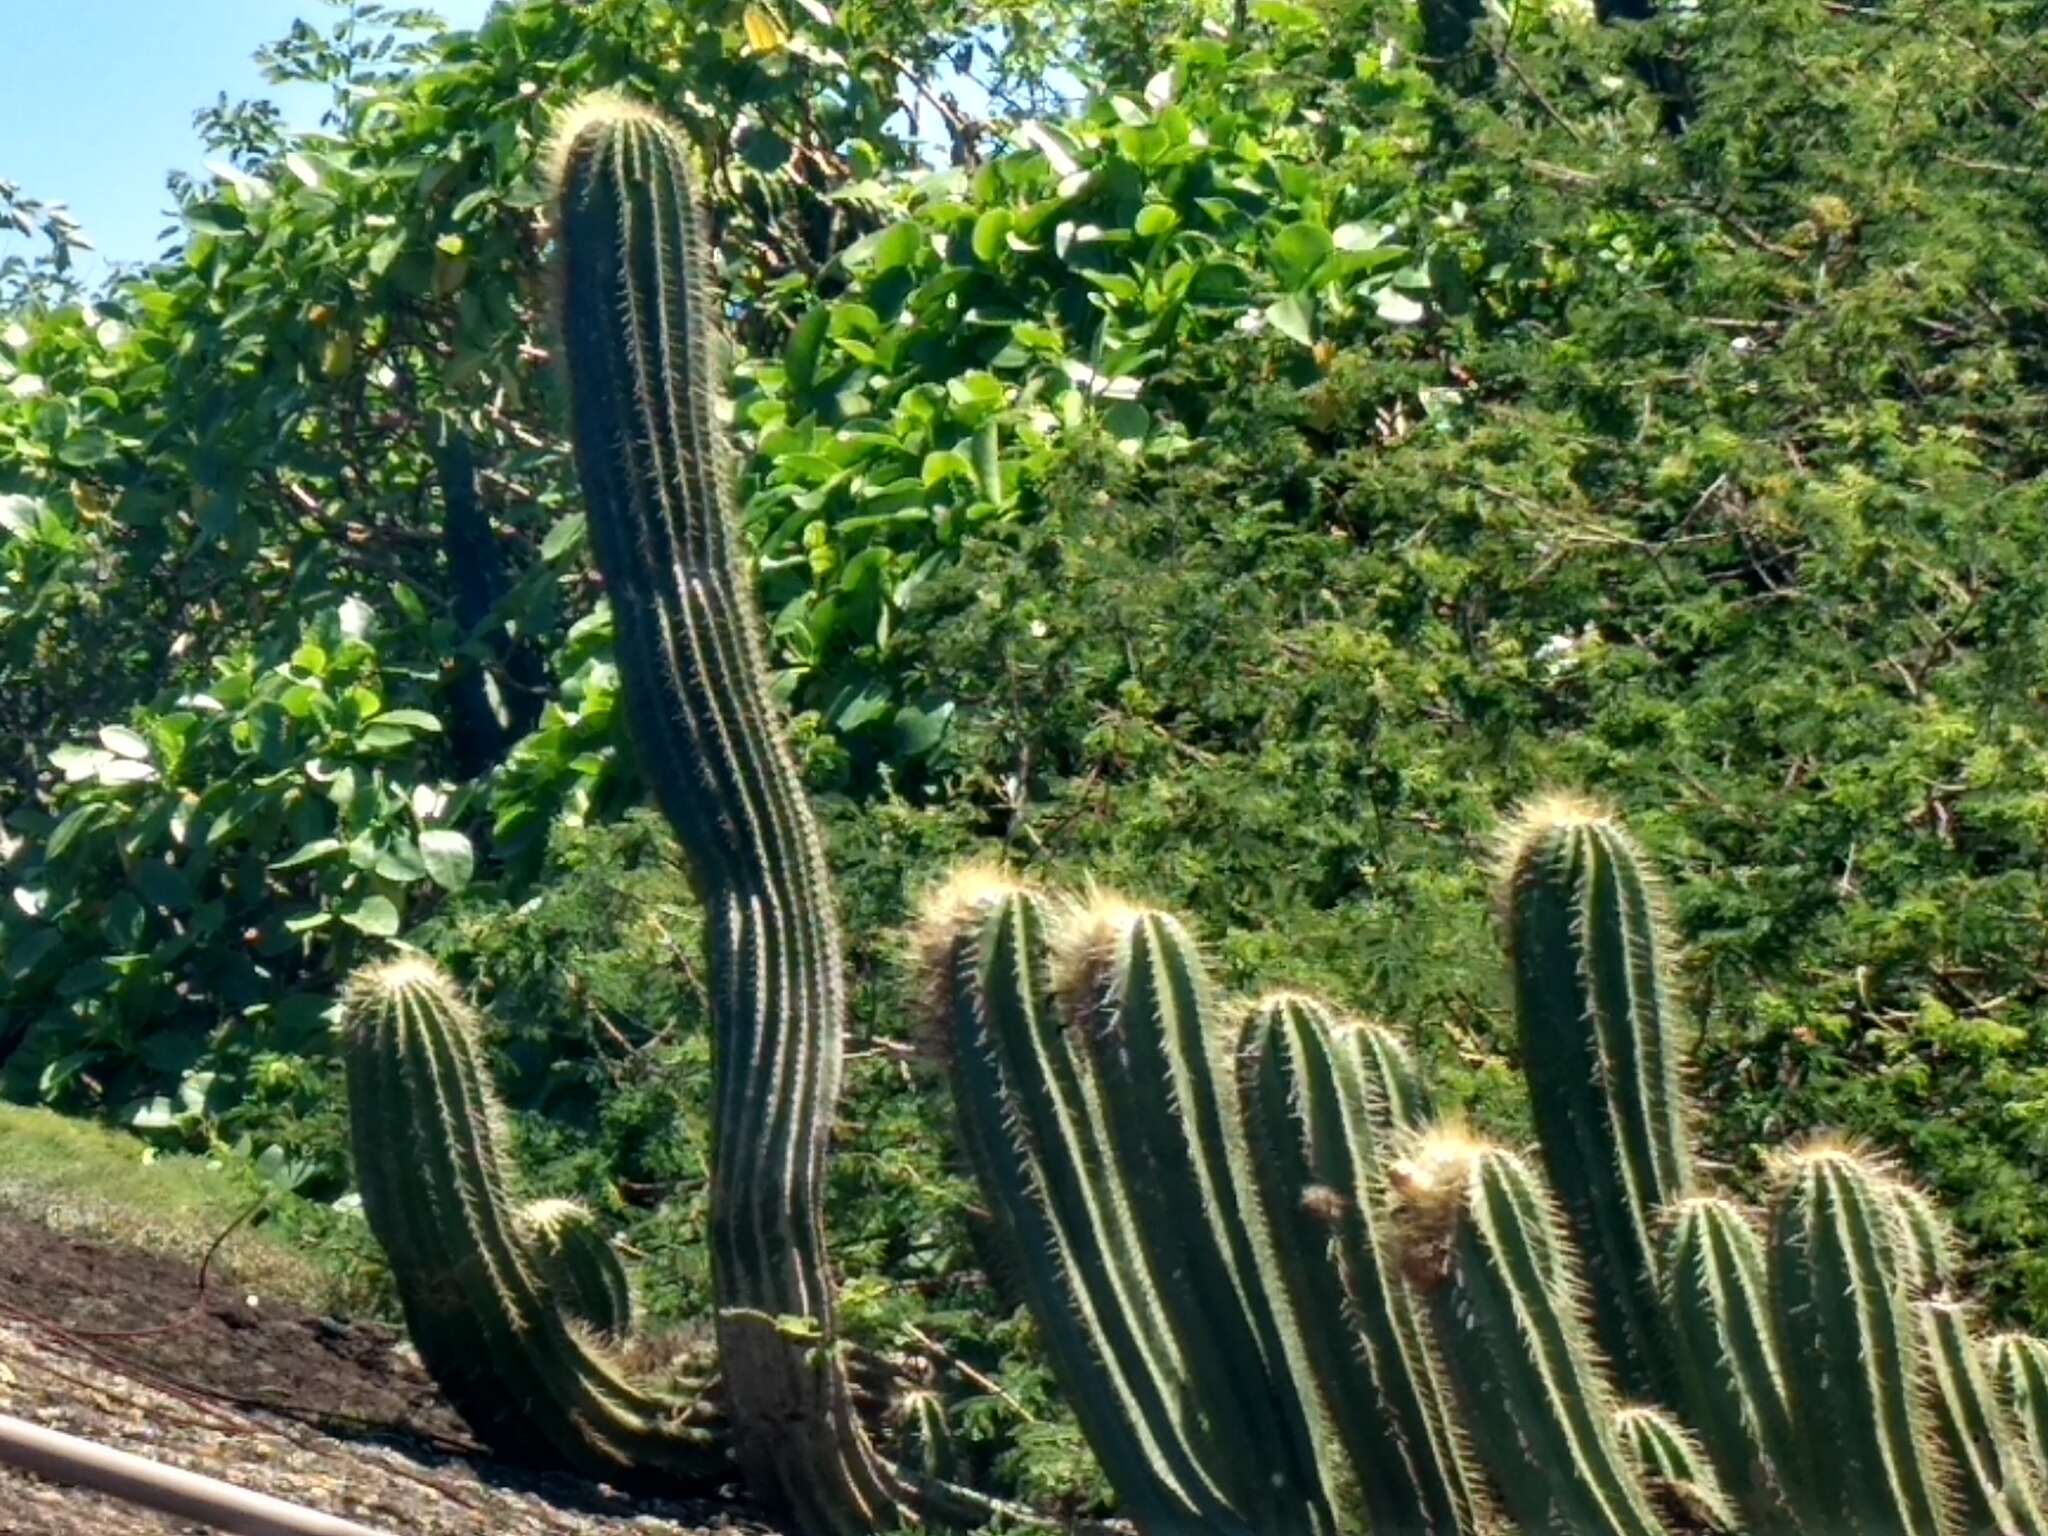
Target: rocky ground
point(121, 1347)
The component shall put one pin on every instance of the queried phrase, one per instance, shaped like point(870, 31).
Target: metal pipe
point(169, 1490)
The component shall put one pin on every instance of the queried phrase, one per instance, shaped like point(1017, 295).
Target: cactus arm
point(1322, 1103)
point(423, 1123)
point(1675, 1468)
point(1147, 1022)
point(640, 335)
point(580, 1266)
point(1993, 1488)
point(1589, 950)
point(1853, 1362)
point(1731, 1372)
point(1482, 1240)
point(2019, 1366)
point(986, 981)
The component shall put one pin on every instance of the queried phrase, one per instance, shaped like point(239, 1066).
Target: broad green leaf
point(119, 739)
point(1297, 251)
point(991, 233)
point(410, 719)
point(568, 533)
point(373, 915)
point(1156, 219)
point(1127, 420)
point(451, 861)
point(1294, 316)
point(1396, 308)
point(317, 851)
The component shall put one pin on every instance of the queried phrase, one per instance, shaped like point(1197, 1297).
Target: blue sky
point(99, 97)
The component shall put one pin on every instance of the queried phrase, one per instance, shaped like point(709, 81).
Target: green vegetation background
point(1239, 493)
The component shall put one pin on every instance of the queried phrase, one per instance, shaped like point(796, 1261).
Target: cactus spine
point(1490, 1255)
point(579, 1264)
point(515, 1363)
point(1081, 1048)
point(1323, 1103)
point(1587, 943)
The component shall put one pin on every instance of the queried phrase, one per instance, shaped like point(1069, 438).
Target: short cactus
point(1732, 1386)
point(2019, 1371)
point(1082, 1048)
point(1325, 1106)
point(1681, 1481)
point(516, 1363)
point(1993, 1488)
point(1854, 1363)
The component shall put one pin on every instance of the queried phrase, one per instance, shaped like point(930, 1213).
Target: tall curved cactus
point(516, 1362)
point(641, 336)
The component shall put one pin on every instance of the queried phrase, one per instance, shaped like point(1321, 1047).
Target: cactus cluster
point(1285, 1296)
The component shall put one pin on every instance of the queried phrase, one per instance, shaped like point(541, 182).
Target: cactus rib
point(1323, 1105)
point(1853, 1359)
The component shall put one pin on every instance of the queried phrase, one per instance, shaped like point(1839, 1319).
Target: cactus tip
point(574, 121)
point(1430, 1183)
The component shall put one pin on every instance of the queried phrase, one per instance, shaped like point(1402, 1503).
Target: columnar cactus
point(1588, 948)
point(579, 1263)
point(2019, 1367)
point(1993, 1488)
point(1854, 1364)
point(640, 333)
point(1493, 1262)
point(1731, 1372)
point(515, 1362)
point(1325, 1104)
point(1082, 1049)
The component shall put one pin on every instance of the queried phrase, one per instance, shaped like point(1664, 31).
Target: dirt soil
point(117, 1346)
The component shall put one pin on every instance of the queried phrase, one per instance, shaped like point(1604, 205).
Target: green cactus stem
point(1993, 1487)
point(1092, 1104)
point(580, 1264)
point(2019, 1368)
point(1484, 1244)
point(1600, 1048)
point(1731, 1373)
point(425, 1129)
point(640, 332)
point(1854, 1367)
point(1675, 1469)
point(1323, 1104)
